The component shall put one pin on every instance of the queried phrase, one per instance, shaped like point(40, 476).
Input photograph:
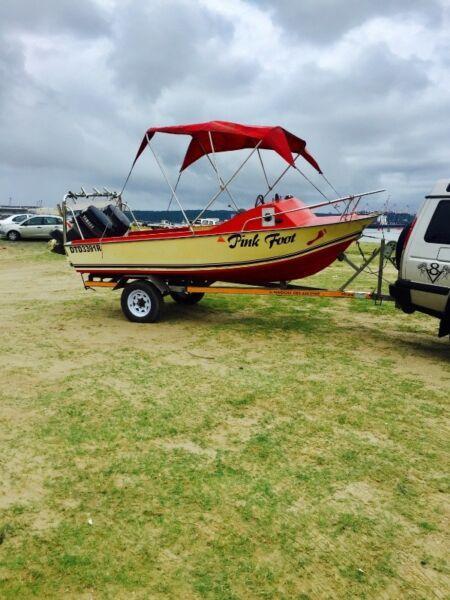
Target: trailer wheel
point(186, 297)
point(141, 302)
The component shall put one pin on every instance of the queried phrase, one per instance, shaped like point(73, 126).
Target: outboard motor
point(120, 221)
point(93, 223)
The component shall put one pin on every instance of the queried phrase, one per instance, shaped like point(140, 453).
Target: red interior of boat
point(249, 220)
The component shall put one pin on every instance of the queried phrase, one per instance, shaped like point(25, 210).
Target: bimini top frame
point(212, 137)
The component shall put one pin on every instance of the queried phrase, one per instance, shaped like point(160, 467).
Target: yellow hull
point(212, 255)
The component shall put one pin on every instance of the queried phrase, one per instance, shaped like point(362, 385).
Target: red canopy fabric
point(233, 136)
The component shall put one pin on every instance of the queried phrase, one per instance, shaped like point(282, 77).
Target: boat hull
point(254, 257)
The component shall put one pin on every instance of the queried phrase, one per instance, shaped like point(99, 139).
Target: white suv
point(424, 259)
point(37, 226)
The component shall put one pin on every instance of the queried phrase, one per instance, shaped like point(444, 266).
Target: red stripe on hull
point(283, 270)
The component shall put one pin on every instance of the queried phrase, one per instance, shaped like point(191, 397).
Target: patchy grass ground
point(243, 448)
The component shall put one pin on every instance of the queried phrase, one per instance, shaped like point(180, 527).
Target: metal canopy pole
point(213, 160)
point(228, 181)
point(331, 186)
point(294, 166)
point(64, 216)
point(127, 206)
point(213, 163)
point(221, 183)
point(311, 183)
point(264, 170)
point(169, 184)
point(175, 188)
point(280, 177)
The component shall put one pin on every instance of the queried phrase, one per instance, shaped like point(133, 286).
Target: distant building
point(16, 209)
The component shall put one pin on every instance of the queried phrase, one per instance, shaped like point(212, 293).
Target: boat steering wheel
point(259, 200)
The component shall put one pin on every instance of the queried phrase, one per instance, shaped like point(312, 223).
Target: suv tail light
point(408, 235)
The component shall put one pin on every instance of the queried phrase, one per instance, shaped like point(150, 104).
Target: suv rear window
point(438, 231)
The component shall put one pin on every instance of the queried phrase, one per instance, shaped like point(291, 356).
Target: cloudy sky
point(366, 83)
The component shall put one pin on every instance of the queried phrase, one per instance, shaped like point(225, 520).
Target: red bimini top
point(227, 136)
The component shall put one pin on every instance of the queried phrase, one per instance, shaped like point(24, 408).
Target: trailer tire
point(141, 302)
point(186, 297)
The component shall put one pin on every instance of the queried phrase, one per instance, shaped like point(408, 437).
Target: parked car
point(5, 221)
point(423, 257)
point(36, 226)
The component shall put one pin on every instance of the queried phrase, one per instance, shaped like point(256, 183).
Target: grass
point(242, 448)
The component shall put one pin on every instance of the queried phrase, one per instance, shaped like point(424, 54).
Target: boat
point(280, 238)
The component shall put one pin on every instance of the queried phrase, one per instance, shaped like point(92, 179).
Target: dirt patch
point(377, 439)
point(421, 356)
point(298, 507)
point(187, 446)
point(358, 490)
point(44, 520)
point(422, 575)
point(233, 432)
point(20, 487)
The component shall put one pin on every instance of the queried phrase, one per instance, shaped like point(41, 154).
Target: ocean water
point(375, 235)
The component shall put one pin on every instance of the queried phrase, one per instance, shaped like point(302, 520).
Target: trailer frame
point(195, 291)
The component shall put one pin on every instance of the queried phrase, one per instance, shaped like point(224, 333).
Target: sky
point(366, 84)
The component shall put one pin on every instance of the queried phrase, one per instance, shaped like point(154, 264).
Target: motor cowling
point(120, 221)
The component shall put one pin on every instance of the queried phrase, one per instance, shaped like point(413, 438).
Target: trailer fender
point(159, 284)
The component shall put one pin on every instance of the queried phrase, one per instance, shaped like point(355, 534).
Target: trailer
point(143, 297)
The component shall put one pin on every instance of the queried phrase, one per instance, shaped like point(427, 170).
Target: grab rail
point(319, 205)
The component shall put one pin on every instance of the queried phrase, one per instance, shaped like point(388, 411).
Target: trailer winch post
point(384, 253)
point(357, 269)
point(378, 297)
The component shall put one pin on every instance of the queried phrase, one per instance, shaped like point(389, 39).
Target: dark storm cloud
point(371, 76)
point(159, 44)
point(11, 67)
point(324, 21)
point(82, 18)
